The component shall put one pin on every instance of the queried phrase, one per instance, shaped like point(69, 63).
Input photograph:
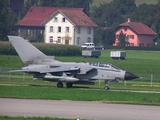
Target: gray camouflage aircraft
point(47, 68)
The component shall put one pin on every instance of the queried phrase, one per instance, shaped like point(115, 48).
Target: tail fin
point(25, 50)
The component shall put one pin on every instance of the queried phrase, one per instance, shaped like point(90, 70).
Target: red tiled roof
point(79, 18)
point(36, 16)
point(138, 27)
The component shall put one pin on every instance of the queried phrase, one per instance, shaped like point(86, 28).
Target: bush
point(6, 48)
point(154, 48)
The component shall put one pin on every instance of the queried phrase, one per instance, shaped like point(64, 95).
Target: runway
point(72, 109)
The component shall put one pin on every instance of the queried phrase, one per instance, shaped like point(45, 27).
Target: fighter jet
point(47, 68)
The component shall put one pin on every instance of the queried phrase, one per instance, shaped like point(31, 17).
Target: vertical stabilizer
point(25, 50)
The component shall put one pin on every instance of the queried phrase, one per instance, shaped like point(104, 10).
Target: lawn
point(79, 94)
point(138, 62)
point(143, 63)
point(30, 118)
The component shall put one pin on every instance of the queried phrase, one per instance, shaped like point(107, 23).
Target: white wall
point(55, 32)
point(83, 35)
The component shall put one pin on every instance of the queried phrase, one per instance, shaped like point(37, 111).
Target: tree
point(144, 14)
point(122, 40)
point(106, 15)
point(59, 3)
point(75, 4)
point(28, 4)
point(150, 16)
point(104, 36)
point(40, 38)
point(110, 37)
point(7, 20)
point(124, 6)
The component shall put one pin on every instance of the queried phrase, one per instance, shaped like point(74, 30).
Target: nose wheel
point(107, 86)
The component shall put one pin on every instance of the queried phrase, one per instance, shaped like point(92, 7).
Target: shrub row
point(6, 48)
point(153, 48)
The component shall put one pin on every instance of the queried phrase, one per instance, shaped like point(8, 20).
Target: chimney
point(129, 19)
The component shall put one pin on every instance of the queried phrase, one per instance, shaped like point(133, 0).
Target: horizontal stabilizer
point(17, 71)
point(32, 71)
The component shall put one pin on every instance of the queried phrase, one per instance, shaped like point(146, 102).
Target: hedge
point(6, 48)
point(153, 48)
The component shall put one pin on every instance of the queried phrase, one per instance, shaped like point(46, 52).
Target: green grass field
point(138, 62)
point(138, 2)
point(31, 118)
point(79, 93)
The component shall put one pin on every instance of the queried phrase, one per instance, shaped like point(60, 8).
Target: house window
point(117, 36)
point(63, 19)
point(131, 44)
point(78, 40)
point(89, 39)
point(78, 30)
point(51, 29)
point(59, 40)
point(55, 19)
point(141, 44)
point(89, 30)
point(130, 37)
point(59, 29)
point(67, 29)
point(51, 39)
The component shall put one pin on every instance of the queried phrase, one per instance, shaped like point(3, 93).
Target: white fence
point(6, 75)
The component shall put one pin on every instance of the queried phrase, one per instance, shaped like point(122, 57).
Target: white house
point(58, 25)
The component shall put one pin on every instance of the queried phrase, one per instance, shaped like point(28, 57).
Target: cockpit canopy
point(104, 64)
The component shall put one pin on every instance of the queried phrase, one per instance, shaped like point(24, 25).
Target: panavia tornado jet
point(47, 68)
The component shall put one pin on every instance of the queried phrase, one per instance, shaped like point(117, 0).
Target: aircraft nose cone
point(130, 76)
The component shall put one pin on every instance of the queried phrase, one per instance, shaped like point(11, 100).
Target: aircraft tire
point(69, 85)
point(59, 84)
point(107, 88)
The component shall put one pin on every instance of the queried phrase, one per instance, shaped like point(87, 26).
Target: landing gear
point(107, 86)
point(69, 85)
point(59, 84)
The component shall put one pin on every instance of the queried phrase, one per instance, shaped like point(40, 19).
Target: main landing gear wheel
point(59, 84)
point(69, 85)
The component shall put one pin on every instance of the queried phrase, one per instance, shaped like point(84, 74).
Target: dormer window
point(64, 19)
point(55, 19)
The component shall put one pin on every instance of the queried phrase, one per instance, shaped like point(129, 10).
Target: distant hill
point(138, 2)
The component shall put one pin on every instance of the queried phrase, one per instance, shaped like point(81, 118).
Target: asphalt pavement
point(72, 109)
